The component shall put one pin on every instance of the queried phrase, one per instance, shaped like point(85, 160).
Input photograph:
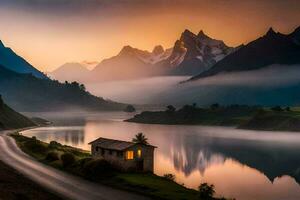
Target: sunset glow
point(50, 33)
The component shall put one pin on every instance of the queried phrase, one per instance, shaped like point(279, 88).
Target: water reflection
point(192, 153)
point(73, 136)
point(273, 159)
point(241, 164)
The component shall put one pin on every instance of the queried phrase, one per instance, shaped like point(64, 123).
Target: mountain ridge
point(14, 62)
point(271, 48)
point(193, 53)
point(190, 55)
point(70, 71)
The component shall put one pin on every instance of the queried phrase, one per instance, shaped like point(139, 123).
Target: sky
point(49, 33)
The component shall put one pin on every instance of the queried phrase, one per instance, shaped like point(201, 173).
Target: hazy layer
point(135, 91)
point(266, 86)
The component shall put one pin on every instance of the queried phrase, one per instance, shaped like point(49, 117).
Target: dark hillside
point(10, 119)
point(25, 92)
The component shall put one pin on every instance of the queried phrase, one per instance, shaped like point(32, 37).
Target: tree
point(214, 106)
point(82, 87)
point(277, 108)
point(129, 108)
point(140, 138)
point(206, 191)
point(169, 177)
point(171, 109)
point(75, 84)
point(288, 109)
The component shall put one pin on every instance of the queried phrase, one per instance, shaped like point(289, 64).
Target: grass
point(156, 186)
point(39, 149)
point(143, 183)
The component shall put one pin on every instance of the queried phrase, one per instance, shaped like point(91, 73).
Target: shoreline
point(150, 185)
point(238, 117)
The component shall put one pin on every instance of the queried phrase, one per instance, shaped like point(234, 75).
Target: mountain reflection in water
point(241, 164)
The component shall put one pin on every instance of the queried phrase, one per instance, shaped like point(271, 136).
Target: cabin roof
point(112, 144)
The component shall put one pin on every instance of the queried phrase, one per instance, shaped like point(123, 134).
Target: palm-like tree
point(140, 138)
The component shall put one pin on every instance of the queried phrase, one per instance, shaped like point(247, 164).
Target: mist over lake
point(257, 87)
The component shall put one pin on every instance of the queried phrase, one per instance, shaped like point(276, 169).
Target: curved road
point(65, 185)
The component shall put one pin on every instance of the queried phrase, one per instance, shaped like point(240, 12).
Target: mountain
point(10, 119)
point(89, 64)
point(130, 63)
point(26, 92)
point(10, 60)
point(70, 72)
point(190, 55)
point(272, 48)
point(193, 53)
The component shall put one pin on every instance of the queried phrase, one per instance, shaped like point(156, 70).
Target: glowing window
point(129, 155)
point(139, 153)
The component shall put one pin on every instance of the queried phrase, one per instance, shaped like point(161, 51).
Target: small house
point(126, 155)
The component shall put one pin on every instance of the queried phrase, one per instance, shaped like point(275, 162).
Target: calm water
point(241, 164)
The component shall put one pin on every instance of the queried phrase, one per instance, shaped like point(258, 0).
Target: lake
point(246, 165)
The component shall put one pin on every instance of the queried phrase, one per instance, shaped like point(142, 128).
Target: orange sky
point(50, 34)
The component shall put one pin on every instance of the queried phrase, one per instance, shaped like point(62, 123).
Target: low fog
point(275, 85)
point(138, 91)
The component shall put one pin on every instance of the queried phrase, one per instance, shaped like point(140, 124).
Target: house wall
point(147, 157)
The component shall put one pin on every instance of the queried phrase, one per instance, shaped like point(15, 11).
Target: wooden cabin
point(126, 155)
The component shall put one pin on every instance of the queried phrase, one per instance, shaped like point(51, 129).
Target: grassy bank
point(80, 163)
point(192, 115)
point(270, 120)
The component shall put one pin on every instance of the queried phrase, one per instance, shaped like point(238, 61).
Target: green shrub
point(84, 161)
point(67, 159)
point(52, 156)
point(169, 177)
point(97, 169)
point(36, 146)
point(54, 145)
